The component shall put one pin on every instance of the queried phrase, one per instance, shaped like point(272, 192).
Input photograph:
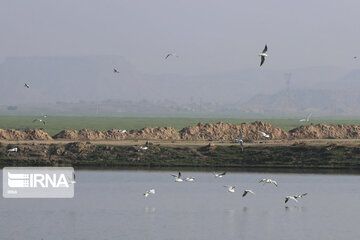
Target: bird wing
point(179, 175)
point(244, 194)
point(265, 49)
point(168, 55)
point(308, 117)
point(303, 195)
point(262, 60)
point(222, 174)
point(274, 182)
point(286, 199)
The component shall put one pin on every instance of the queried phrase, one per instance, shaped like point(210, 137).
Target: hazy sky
point(209, 35)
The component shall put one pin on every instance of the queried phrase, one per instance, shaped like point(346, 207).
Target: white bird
point(247, 191)
point(26, 85)
point(263, 55)
point(13, 149)
point(147, 193)
point(171, 54)
point(230, 188)
point(122, 131)
point(264, 134)
point(306, 119)
point(40, 120)
point(143, 148)
point(189, 179)
point(116, 71)
point(240, 141)
point(219, 175)
point(177, 177)
point(267, 180)
point(295, 197)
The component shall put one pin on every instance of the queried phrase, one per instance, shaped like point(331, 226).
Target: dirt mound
point(164, 133)
point(229, 132)
point(28, 134)
point(67, 134)
point(325, 131)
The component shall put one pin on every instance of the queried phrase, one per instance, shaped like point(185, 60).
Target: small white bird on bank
point(147, 193)
point(264, 134)
point(230, 188)
point(122, 131)
point(295, 197)
point(177, 177)
point(248, 191)
point(263, 55)
point(240, 141)
point(15, 149)
point(190, 179)
point(219, 175)
point(307, 119)
point(143, 148)
point(267, 180)
point(172, 55)
point(26, 85)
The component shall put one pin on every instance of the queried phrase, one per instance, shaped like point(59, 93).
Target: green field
point(56, 124)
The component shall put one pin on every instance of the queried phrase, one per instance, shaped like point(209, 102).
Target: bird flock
point(230, 188)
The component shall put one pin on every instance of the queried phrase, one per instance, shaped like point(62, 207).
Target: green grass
point(57, 124)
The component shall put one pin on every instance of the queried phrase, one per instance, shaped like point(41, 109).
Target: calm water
point(111, 205)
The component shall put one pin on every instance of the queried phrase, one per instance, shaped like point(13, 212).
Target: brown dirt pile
point(229, 132)
point(326, 131)
point(164, 133)
point(27, 134)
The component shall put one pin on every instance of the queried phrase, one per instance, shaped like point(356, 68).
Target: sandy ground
point(182, 143)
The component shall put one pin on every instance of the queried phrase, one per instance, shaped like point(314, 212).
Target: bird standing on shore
point(15, 149)
point(240, 141)
point(263, 55)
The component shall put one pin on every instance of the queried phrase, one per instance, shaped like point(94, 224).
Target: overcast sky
point(208, 35)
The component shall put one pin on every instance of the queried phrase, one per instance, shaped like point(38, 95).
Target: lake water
point(111, 205)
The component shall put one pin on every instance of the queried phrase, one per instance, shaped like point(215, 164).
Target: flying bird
point(40, 120)
point(177, 177)
point(219, 175)
point(307, 119)
point(116, 71)
point(264, 134)
point(171, 54)
point(248, 191)
point(263, 55)
point(230, 188)
point(147, 193)
point(267, 180)
point(295, 197)
point(26, 85)
point(13, 149)
point(240, 141)
point(189, 179)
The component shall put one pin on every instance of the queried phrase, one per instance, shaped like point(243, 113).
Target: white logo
point(35, 182)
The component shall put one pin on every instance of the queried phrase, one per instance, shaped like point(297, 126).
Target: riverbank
point(307, 154)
